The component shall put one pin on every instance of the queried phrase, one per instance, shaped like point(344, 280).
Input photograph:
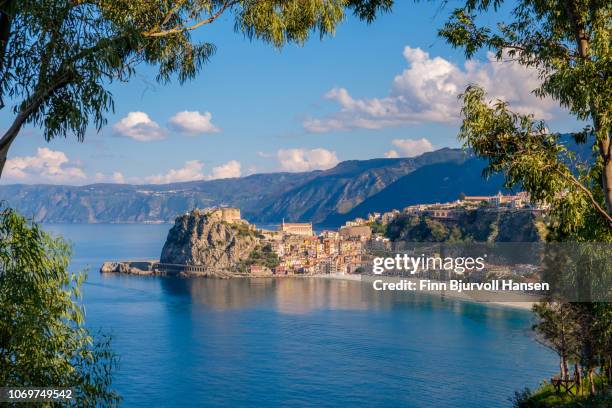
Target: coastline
point(525, 303)
point(521, 301)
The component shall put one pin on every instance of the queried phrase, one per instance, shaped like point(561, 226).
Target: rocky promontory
point(210, 243)
point(216, 240)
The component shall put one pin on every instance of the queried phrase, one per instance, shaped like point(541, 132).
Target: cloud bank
point(140, 127)
point(228, 170)
point(193, 123)
point(427, 90)
point(46, 166)
point(194, 170)
point(295, 160)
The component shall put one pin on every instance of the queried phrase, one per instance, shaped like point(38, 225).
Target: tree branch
point(582, 40)
point(572, 179)
point(171, 13)
point(178, 30)
point(5, 32)
point(30, 106)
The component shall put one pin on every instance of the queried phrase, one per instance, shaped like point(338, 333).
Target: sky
point(388, 89)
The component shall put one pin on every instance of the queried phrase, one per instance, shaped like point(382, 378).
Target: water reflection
point(270, 343)
point(306, 295)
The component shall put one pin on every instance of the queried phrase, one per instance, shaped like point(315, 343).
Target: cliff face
point(479, 225)
point(204, 240)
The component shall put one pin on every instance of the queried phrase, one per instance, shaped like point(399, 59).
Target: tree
point(556, 329)
point(58, 57)
point(43, 342)
point(568, 43)
point(57, 60)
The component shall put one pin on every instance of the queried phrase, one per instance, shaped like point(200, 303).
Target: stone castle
point(225, 214)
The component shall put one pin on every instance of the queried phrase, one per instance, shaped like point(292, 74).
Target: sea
point(295, 342)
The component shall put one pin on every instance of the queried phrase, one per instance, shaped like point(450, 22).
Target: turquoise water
point(295, 342)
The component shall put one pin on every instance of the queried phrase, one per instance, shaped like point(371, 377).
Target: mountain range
point(328, 198)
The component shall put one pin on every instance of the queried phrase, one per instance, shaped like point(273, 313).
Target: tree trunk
point(607, 183)
point(3, 156)
point(577, 378)
point(7, 139)
point(591, 381)
point(6, 12)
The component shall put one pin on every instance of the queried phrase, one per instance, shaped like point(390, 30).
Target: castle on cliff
point(226, 214)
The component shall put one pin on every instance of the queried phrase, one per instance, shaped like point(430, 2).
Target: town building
point(518, 200)
point(296, 228)
point(363, 232)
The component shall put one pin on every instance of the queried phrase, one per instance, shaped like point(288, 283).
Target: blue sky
point(382, 90)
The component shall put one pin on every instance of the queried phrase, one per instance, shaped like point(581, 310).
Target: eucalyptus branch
point(179, 30)
point(172, 11)
point(30, 106)
point(572, 179)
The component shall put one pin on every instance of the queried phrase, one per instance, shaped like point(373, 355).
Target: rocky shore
point(130, 267)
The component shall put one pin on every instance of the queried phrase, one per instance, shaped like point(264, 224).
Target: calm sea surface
point(295, 342)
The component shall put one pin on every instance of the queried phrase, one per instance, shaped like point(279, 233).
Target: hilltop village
point(349, 250)
point(218, 242)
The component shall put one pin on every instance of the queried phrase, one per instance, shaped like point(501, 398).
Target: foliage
point(43, 341)
point(379, 227)
point(557, 328)
point(243, 230)
point(479, 225)
point(262, 255)
point(58, 57)
point(568, 43)
point(519, 147)
point(367, 9)
point(547, 397)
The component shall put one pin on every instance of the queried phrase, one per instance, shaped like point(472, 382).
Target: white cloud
point(192, 170)
point(140, 127)
point(193, 123)
point(427, 91)
point(412, 147)
point(392, 154)
point(47, 166)
point(304, 160)
point(228, 170)
point(115, 177)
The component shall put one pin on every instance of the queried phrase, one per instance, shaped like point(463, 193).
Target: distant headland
point(326, 198)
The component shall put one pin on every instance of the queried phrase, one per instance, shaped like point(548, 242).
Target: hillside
point(440, 182)
point(124, 203)
point(339, 190)
point(309, 196)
